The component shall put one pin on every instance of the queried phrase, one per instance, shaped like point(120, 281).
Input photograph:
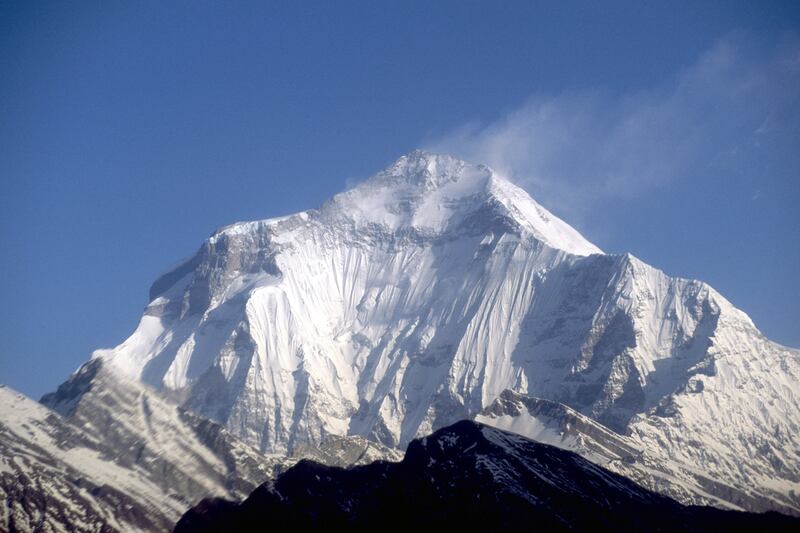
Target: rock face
point(418, 297)
point(346, 451)
point(466, 475)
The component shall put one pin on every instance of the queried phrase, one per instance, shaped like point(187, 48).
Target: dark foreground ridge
point(466, 475)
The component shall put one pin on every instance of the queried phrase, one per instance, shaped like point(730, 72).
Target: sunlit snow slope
point(416, 298)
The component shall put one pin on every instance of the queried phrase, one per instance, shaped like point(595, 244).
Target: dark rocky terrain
point(466, 475)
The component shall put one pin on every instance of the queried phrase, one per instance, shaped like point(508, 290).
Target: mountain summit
point(434, 194)
point(416, 298)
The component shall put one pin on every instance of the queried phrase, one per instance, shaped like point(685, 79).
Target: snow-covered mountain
point(416, 298)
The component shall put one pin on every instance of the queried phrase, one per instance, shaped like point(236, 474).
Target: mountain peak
point(437, 193)
point(426, 170)
point(432, 194)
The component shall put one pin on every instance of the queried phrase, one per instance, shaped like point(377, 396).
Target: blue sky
point(130, 131)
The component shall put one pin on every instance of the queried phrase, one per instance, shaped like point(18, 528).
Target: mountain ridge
point(106, 453)
point(556, 424)
point(104, 466)
point(466, 475)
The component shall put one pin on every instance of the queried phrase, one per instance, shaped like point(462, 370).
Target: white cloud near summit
point(573, 151)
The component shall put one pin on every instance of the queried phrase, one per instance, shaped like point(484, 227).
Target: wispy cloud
point(575, 150)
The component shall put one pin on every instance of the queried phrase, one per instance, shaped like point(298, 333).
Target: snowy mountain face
point(112, 455)
point(415, 299)
point(42, 459)
point(558, 425)
point(466, 476)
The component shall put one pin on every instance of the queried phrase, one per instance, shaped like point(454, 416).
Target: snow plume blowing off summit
point(416, 298)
